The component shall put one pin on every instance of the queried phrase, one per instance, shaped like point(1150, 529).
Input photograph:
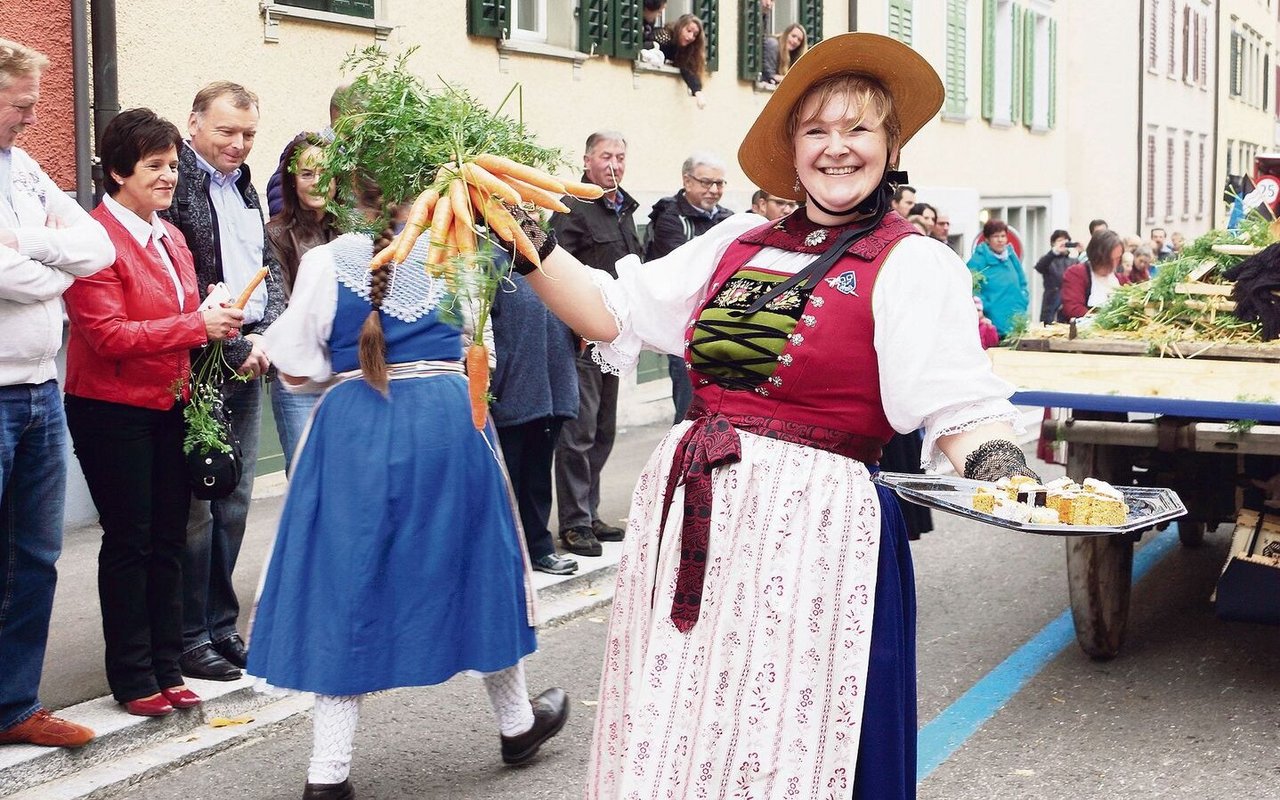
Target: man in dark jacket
point(598, 233)
point(674, 220)
point(217, 210)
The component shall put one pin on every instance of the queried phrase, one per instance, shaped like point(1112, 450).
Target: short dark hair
point(1094, 224)
point(654, 5)
point(920, 208)
point(130, 137)
point(993, 227)
point(902, 188)
point(1101, 245)
point(760, 194)
point(1162, 230)
point(1059, 234)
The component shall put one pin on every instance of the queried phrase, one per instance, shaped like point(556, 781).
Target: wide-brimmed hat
point(767, 155)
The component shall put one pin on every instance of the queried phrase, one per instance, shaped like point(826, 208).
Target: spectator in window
point(770, 206)
point(1052, 266)
point(301, 224)
point(779, 52)
point(1002, 285)
point(684, 44)
point(651, 14)
point(1090, 283)
point(928, 213)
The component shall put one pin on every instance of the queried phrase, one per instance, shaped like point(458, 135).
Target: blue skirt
point(887, 747)
point(398, 561)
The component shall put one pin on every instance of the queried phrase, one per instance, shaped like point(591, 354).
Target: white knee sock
point(509, 696)
point(335, 720)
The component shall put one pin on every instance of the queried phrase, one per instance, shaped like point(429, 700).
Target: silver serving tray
point(1147, 506)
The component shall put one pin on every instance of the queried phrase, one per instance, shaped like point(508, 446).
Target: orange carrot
point(243, 299)
point(481, 178)
point(501, 221)
point(460, 199)
point(524, 246)
point(500, 166)
point(583, 191)
point(483, 207)
point(536, 195)
point(417, 221)
point(441, 220)
point(478, 383)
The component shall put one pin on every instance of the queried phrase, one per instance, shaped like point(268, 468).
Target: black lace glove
point(544, 239)
point(996, 459)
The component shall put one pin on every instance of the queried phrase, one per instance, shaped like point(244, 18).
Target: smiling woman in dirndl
point(762, 643)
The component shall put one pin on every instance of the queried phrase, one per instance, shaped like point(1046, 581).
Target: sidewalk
point(129, 748)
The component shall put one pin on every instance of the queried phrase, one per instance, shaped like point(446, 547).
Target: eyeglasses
point(707, 183)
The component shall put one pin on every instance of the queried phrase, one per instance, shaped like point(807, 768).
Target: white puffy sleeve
point(654, 301)
point(298, 341)
point(933, 371)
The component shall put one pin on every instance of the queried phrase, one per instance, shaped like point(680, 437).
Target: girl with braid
point(398, 561)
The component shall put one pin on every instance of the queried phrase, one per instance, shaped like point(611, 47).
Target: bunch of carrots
point(479, 189)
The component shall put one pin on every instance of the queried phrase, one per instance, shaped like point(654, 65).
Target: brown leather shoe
point(550, 712)
point(329, 791)
point(580, 541)
point(46, 730)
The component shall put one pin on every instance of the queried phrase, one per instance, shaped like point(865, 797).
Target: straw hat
point(767, 155)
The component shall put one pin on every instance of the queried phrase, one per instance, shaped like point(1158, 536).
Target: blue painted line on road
point(948, 731)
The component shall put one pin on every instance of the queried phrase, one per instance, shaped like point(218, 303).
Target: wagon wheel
point(1099, 568)
point(1191, 534)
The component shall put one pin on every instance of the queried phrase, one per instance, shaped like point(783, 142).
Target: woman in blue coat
point(1001, 282)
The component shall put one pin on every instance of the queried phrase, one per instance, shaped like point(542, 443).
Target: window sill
point(955, 116)
point(273, 13)
point(531, 48)
point(638, 67)
point(1002, 123)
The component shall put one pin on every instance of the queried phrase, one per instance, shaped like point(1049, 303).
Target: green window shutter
point(354, 8)
point(1015, 72)
point(1053, 72)
point(988, 59)
point(709, 12)
point(750, 29)
point(315, 5)
point(900, 26)
point(628, 32)
point(595, 27)
point(956, 57)
point(1028, 69)
point(489, 18)
point(811, 18)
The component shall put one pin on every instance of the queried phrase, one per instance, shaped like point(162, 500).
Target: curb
point(131, 749)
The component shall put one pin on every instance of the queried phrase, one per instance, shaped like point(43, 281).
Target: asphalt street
point(1190, 709)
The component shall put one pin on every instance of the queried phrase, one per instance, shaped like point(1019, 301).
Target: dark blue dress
point(398, 561)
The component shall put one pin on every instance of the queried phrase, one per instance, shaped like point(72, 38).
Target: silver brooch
point(816, 238)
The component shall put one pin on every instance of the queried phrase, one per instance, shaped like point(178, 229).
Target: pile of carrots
point(477, 190)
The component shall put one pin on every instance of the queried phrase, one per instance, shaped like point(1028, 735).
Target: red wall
point(46, 26)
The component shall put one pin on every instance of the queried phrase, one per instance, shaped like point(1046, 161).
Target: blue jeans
point(291, 410)
point(33, 481)
point(215, 530)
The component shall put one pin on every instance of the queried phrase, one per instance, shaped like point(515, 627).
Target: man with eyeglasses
point(689, 213)
point(46, 242)
point(771, 207)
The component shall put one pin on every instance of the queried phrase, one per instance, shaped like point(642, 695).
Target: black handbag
point(214, 459)
point(1249, 588)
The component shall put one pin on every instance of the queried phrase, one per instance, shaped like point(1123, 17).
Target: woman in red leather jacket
point(132, 325)
point(1088, 284)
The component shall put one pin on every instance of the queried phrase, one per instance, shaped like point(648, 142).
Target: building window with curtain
point(352, 8)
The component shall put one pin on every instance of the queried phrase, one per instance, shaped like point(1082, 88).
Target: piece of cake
point(1106, 504)
point(1011, 510)
point(1044, 516)
point(1031, 494)
point(984, 499)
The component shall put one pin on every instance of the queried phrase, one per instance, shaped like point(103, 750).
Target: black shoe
point(550, 711)
point(607, 533)
point(204, 662)
point(232, 649)
point(329, 791)
point(555, 564)
point(581, 541)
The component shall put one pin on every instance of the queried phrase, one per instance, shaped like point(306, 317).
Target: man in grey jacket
point(46, 242)
point(217, 210)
